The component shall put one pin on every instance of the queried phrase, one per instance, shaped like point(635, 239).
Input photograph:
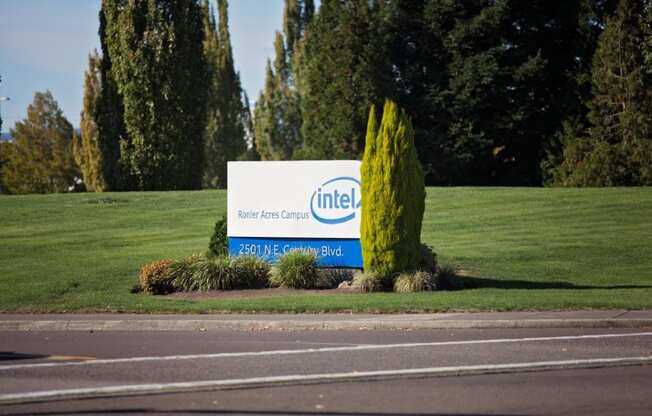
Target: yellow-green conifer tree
point(393, 194)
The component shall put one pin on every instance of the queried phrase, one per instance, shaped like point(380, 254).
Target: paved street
point(429, 372)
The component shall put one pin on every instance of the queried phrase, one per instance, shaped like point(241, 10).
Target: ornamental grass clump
point(182, 273)
point(155, 277)
point(250, 272)
point(414, 282)
point(296, 269)
point(369, 282)
point(214, 273)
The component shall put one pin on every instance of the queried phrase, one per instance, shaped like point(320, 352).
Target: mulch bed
point(256, 293)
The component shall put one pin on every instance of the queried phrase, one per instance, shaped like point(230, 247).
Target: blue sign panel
point(330, 252)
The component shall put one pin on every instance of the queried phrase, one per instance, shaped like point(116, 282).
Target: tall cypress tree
point(224, 138)
point(158, 63)
point(393, 194)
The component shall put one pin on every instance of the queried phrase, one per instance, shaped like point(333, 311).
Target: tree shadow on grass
point(472, 282)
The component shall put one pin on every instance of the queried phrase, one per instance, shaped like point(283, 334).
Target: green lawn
point(524, 248)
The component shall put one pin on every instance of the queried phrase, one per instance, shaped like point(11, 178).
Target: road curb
point(309, 324)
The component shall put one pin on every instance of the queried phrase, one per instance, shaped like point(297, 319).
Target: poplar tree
point(393, 194)
point(40, 159)
point(277, 113)
point(109, 115)
point(158, 63)
point(224, 137)
point(86, 147)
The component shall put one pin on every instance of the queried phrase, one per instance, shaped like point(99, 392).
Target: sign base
point(344, 253)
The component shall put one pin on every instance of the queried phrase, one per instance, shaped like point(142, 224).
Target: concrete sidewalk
point(207, 322)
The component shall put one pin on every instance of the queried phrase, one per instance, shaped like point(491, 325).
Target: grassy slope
point(532, 249)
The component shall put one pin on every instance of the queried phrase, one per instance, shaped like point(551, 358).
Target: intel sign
point(275, 207)
point(336, 201)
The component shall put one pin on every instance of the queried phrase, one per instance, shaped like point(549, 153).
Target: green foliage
point(341, 74)
point(616, 149)
point(182, 273)
point(108, 116)
point(370, 281)
point(219, 244)
point(218, 273)
point(277, 113)
point(214, 273)
point(419, 281)
point(296, 269)
point(252, 272)
point(332, 277)
point(86, 148)
point(427, 259)
point(224, 137)
point(393, 194)
point(40, 160)
point(447, 279)
point(155, 277)
point(158, 64)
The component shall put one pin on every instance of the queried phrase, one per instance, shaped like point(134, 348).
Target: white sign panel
point(294, 199)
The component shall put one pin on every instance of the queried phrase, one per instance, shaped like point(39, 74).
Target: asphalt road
point(424, 372)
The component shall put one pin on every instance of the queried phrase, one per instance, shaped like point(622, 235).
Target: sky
point(44, 45)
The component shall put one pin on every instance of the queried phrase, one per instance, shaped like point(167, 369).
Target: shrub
point(414, 282)
point(219, 244)
point(331, 278)
point(428, 259)
point(369, 282)
point(296, 269)
point(447, 279)
point(393, 194)
point(213, 273)
point(155, 277)
point(250, 272)
point(182, 273)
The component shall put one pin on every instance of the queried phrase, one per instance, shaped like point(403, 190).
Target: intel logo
point(336, 200)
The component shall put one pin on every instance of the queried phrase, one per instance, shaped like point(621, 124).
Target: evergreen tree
point(617, 149)
point(341, 76)
point(393, 194)
point(488, 83)
point(40, 159)
point(250, 134)
point(224, 138)
point(277, 113)
point(157, 61)
point(264, 120)
point(109, 116)
point(86, 148)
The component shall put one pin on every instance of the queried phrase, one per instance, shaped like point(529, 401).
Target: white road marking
point(366, 347)
point(274, 381)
